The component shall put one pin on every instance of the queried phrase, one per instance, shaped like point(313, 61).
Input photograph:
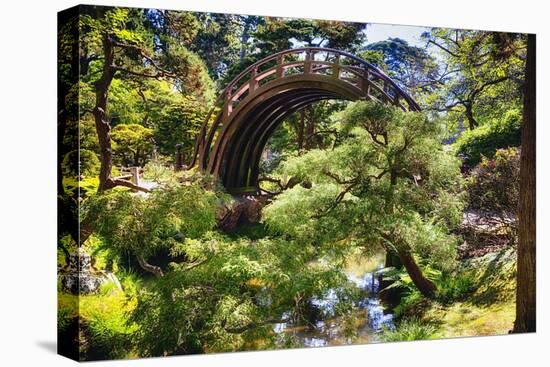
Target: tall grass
point(407, 330)
point(455, 287)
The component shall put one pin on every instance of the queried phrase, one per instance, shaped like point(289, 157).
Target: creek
point(369, 316)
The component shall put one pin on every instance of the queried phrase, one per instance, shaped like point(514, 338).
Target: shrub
point(455, 287)
point(408, 303)
point(64, 318)
point(106, 326)
point(407, 330)
point(153, 224)
point(89, 163)
point(494, 183)
point(133, 144)
point(488, 138)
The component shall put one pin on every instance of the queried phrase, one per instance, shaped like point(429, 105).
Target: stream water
point(369, 316)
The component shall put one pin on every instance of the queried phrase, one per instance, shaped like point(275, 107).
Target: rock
point(243, 210)
point(81, 278)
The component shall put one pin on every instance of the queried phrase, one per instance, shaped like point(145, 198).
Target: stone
point(243, 210)
point(81, 278)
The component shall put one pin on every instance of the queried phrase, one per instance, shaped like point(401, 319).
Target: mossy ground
point(102, 319)
point(489, 310)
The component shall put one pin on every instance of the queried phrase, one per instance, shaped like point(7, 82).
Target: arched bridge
point(252, 106)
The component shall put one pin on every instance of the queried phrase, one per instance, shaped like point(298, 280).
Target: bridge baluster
point(365, 84)
point(280, 60)
point(253, 82)
point(307, 62)
point(336, 67)
point(228, 105)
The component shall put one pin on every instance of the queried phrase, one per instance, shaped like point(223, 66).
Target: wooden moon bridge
point(247, 112)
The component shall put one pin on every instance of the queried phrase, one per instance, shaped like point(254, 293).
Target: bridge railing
point(312, 60)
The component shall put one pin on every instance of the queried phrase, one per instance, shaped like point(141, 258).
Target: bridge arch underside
point(237, 153)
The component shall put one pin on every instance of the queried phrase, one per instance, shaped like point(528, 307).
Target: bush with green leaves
point(493, 188)
point(493, 184)
point(456, 286)
point(144, 225)
point(409, 330)
point(133, 144)
point(86, 159)
point(179, 123)
point(484, 141)
point(389, 185)
point(232, 293)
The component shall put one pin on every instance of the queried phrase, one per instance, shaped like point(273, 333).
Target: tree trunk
point(310, 129)
point(390, 296)
point(102, 124)
point(526, 265)
point(424, 285)
point(472, 122)
point(301, 130)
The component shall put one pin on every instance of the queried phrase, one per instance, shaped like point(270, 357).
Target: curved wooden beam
point(256, 101)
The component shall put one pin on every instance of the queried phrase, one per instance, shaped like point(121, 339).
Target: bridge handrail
point(226, 94)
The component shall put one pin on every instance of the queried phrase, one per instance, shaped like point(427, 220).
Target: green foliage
point(87, 186)
point(80, 162)
point(499, 133)
point(452, 286)
point(106, 323)
point(455, 286)
point(399, 278)
point(130, 281)
point(408, 303)
point(106, 330)
point(217, 42)
point(64, 319)
point(409, 330)
point(494, 184)
point(157, 172)
point(178, 121)
point(413, 67)
point(354, 198)
point(184, 25)
point(482, 75)
point(277, 34)
point(126, 105)
point(191, 71)
point(134, 97)
point(132, 144)
point(291, 214)
point(231, 296)
point(144, 225)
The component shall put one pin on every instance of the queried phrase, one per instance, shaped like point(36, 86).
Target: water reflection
point(364, 325)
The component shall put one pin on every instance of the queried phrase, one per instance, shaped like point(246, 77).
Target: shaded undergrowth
point(479, 299)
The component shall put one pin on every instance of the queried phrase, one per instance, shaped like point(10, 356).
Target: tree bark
point(390, 296)
point(424, 285)
point(301, 130)
point(526, 262)
point(102, 124)
point(309, 128)
point(472, 122)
